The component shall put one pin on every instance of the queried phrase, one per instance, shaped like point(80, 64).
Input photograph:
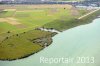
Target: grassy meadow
point(18, 37)
point(36, 17)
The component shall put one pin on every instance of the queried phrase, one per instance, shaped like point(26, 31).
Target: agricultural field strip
point(34, 6)
point(68, 7)
point(10, 20)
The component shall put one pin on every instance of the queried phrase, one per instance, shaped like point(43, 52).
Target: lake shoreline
point(85, 20)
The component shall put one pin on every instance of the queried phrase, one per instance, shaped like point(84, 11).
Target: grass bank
point(64, 24)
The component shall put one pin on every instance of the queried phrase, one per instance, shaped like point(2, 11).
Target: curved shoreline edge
point(85, 20)
point(49, 36)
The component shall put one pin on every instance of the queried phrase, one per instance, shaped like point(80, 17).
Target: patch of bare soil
point(74, 11)
point(12, 21)
point(52, 11)
point(3, 20)
point(21, 26)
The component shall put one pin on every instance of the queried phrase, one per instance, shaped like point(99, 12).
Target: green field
point(35, 17)
point(32, 18)
point(18, 37)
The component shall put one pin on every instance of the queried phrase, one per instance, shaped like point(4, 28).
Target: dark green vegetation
point(63, 24)
point(24, 44)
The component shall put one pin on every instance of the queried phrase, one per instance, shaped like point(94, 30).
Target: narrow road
point(88, 14)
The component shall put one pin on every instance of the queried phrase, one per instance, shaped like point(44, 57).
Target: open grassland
point(35, 15)
point(18, 39)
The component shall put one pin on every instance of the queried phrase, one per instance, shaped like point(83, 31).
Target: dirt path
point(88, 14)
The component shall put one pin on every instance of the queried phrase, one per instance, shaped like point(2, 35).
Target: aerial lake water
point(79, 45)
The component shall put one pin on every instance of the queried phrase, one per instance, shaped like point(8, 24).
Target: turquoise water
point(81, 41)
